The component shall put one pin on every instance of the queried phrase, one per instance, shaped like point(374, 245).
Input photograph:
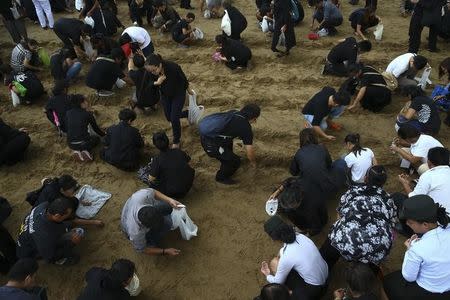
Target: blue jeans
point(334, 113)
point(73, 71)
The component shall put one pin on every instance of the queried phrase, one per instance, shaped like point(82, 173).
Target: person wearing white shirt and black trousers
point(425, 272)
point(405, 67)
point(299, 264)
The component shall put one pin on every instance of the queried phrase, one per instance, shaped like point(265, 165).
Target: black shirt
point(239, 127)
point(57, 66)
point(34, 86)
point(176, 82)
point(146, 92)
point(106, 22)
point(345, 51)
point(7, 133)
point(172, 172)
point(238, 20)
point(427, 114)
point(235, 51)
point(70, 28)
point(318, 105)
point(41, 237)
point(59, 104)
point(177, 30)
point(77, 120)
point(52, 191)
point(122, 143)
point(101, 287)
point(367, 79)
point(170, 16)
point(103, 74)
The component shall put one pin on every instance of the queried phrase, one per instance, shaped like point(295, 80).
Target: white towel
point(97, 199)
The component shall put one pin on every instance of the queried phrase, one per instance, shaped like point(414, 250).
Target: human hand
point(23, 129)
point(283, 29)
point(351, 108)
point(172, 251)
point(161, 79)
point(190, 91)
point(265, 268)
point(330, 137)
point(86, 203)
point(339, 294)
point(404, 179)
point(409, 241)
point(174, 203)
point(98, 223)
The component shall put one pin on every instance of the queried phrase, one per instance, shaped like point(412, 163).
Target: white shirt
point(139, 35)
point(400, 64)
point(423, 145)
point(435, 183)
point(427, 261)
point(359, 164)
point(304, 257)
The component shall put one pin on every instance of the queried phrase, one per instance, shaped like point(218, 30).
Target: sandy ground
point(223, 261)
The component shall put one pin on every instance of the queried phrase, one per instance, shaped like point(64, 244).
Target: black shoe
point(436, 50)
point(226, 181)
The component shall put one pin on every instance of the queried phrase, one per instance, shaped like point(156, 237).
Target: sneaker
point(227, 181)
point(77, 156)
point(105, 93)
point(86, 156)
point(69, 261)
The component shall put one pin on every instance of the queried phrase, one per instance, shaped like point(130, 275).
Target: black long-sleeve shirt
point(77, 121)
point(7, 133)
point(176, 82)
point(71, 28)
point(122, 143)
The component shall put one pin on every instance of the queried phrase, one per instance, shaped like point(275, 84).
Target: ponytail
point(354, 138)
point(442, 216)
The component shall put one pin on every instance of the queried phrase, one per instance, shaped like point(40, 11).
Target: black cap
point(272, 224)
point(419, 208)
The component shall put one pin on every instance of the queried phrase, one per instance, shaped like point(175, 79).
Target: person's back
point(59, 104)
point(344, 51)
point(236, 50)
point(359, 163)
point(56, 66)
point(77, 120)
point(312, 161)
point(103, 74)
point(101, 287)
point(400, 64)
point(18, 55)
point(427, 114)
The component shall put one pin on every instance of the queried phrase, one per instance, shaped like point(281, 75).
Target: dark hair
point(122, 270)
point(445, 64)
point(283, 232)
point(86, 29)
point(127, 115)
point(154, 60)
point(413, 91)
point(77, 99)
point(190, 16)
point(138, 61)
point(341, 97)
point(365, 46)
point(439, 156)
point(159, 3)
point(408, 132)
point(251, 111)
point(274, 291)
point(125, 39)
point(67, 182)
point(307, 136)
point(354, 68)
point(419, 62)
point(161, 141)
point(151, 218)
point(60, 87)
point(117, 53)
point(376, 176)
point(22, 269)
point(354, 139)
point(292, 195)
point(67, 53)
point(59, 206)
point(32, 42)
point(441, 217)
point(226, 4)
point(221, 39)
point(361, 278)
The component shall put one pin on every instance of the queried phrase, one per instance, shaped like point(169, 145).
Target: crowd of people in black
point(368, 217)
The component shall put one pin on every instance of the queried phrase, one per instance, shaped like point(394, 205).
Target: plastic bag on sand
point(378, 32)
point(195, 111)
point(96, 198)
point(180, 219)
point(265, 25)
point(15, 98)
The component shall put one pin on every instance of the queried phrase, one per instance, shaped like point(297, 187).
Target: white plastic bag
point(90, 52)
point(79, 4)
point(271, 207)
point(378, 32)
point(207, 14)
point(90, 21)
point(195, 111)
point(198, 34)
point(226, 24)
point(15, 98)
point(180, 219)
point(265, 25)
point(282, 40)
point(425, 79)
point(134, 287)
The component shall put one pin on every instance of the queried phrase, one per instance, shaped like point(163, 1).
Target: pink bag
point(216, 56)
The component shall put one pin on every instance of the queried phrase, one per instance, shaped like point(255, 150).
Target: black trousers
point(415, 33)
point(376, 98)
point(14, 150)
point(7, 251)
point(396, 287)
point(222, 151)
point(302, 290)
point(88, 145)
point(173, 110)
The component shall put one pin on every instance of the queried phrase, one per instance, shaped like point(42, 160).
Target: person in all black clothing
point(283, 24)
point(109, 284)
point(105, 21)
point(78, 138)
point(235, 54)
point(13, 144)
point(170, 172)
point(123, 142)
point(219, 144)
point(238, 21)
point(32, 84)
point(444, 30)
point(362, 283)
point(173, 85)
point(147, 93)
point(363, 18)
point(139, 8)
point(7, 245)
point(182, 33)
point(343, 55)
point(373, 92)
point(64, 65)
point(71, 32)
point(45, 234)
point(58, 105)
point(103, 44)
point(169, 15)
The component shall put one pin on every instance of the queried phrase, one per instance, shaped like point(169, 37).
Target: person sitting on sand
point(420, 112)
point(45, 234)
point(344, 55)
point(140, 8)
point(146, 220)
point(362, 208)
point(169, 15)
point(373, 93)
point(413, 147)
point(78, 138)
point(24, 56)
point(405, 67)
point(238, 21)
point(322, 108)
point(363, 18)
point(182, 32)
point(328, 17)
point(13, 144)
point(233, 53)
point(217, 132)
point(359, 159)
point(361, 283)
point(168, 172)
point(64, 65)
point(298, 264)
point(275, 291)
point(25, 85)
point(109, 283)
point(58, 105)
point(425, 272)
point(123, 142)
point(106, 73)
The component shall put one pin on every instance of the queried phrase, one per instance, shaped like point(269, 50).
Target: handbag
point(391, 80)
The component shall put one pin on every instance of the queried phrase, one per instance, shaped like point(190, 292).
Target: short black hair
point(127, 115)
point(86, 29)
point(138, 61)
point(251, 111)
point(376, 176)
point(67, 182)
point(419, 62)
point(117, 53)
point(190, 16)
point(413, 91)
point(60, 86)
point(59, 206)
point(154, 60)
point(407, 131)
point(439, 156)
point(160, 141)
point(22, 269)
point(122, 270)
point(274, 291)
point(342, 98)
point(360, 278)
point(220, 39)
point(151, 218)
point(365, 46)
point(32, 42)
point(77, 99)
point(307, 136)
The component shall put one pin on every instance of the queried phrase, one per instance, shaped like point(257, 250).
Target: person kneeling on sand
point(146, 219)
point(233, 53)
point(182, 32)
point(14, 143)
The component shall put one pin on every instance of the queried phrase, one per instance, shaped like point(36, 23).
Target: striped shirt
point(18, 56)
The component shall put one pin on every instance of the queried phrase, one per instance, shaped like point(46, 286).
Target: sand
point(223, 262)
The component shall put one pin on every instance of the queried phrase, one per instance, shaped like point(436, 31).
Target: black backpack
point(33, 196)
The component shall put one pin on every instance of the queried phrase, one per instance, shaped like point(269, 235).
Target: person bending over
point(235, 54)
point(182, 32)
point(72, 33)
point(328, 16)
point(64, 65)
point(24, 56)
point(238, 21)
point(58, 105)
point(13, 144)
point(362, 19)
point(168, 14)
point(405, 67)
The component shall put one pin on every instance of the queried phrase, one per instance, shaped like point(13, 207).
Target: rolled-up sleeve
point(411, 265)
